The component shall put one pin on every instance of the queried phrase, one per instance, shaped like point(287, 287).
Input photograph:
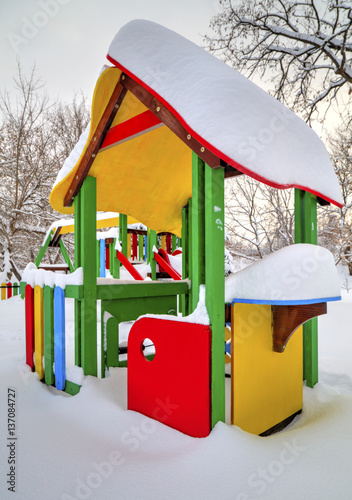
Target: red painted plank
point(107, 257)
point(173, 388)
point(125, 262)
point(142, 123)
point(168, 244)
point(9, 290)
point(29, 304)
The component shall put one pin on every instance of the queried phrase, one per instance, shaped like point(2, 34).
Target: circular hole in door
point(148, 349)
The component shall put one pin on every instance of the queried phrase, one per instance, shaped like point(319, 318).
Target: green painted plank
point(43, 249)
point(77, 292)
point(173, 242)
point(197, 237)
point(140, 246)
point(185, 269)
point(49, 334)
point(123, 233)
point(215, 285)
point(153, 242)
point(66, 256)
point(116, 262)
point(306, 232)
point(72, 388)
point(97, 244)
point(88, 256)
point(74, 292)
point(142, 289)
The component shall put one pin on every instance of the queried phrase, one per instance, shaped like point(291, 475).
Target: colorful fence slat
point(15, 289)
point(168, 243)
point(49, 334)
point(9, 290)
point(38, 331)
point(107, 257)
point(59, 338)
point(134, 246)
point(3, 291)
point(29, 301)
point(102, 258)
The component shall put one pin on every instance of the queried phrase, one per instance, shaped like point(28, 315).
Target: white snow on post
point(230, 115)
point(299, 273)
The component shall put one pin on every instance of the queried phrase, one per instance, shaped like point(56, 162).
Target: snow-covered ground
point(90, 447)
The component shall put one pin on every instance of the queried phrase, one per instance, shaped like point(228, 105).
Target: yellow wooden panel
point(163, 242)
point(39, 330)
point(148, 177)
point(3, 291)
point(267, 387)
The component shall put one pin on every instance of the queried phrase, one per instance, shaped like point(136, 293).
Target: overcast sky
point(69, 39)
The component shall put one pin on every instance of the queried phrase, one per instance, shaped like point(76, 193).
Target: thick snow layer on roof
point(231, 115)
point(294, 274)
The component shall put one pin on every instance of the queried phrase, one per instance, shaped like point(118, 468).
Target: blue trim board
point(285, 302)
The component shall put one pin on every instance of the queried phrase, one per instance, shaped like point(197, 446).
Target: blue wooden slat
point(102, 258)
point(285, 302)
point(59, 338)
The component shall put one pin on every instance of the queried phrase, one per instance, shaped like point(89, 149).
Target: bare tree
point(336, 223)
point(259, 219)
point(33, 146)
point(303, 48)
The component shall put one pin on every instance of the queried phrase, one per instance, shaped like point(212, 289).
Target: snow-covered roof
point(232, 116)
point(142, 159)
point(297, 274)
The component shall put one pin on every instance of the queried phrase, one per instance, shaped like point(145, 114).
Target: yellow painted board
point(267, 387)
point(39, 330)
point(3, 291)
point(129, 245)
point(147, 176)
point(163, 242)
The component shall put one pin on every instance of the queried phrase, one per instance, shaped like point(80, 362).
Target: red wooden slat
point(9, 290)
point(29, 302)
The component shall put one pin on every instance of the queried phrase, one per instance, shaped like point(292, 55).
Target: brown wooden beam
point(56, 238)
point(94, 145)
point(286, 319)
point(170, 121)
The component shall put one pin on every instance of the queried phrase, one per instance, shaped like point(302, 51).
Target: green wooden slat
point(66, 256)
point(43, 249)
point(49, 334)
point(153, 241)
point(97, 245)
point(74, 291)
point(88, 254)
point(72, 388)
point(140, 246)
point(111, 258)
point(142, 289)
point(215, 285)
point(185, 271)
point(173, 242)
point(78, 263)
point(116, 262)
point(306, 232)
point(123, 233)
point(197, 236)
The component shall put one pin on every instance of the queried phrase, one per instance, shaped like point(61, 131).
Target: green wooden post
point(111, 258)
point(116, 262)
point(185, 270)
point(88, 255)
point(173, 242)
point(140, 246)
point(66, 256)
point(43, 249)
point(306, 232)
point(78, 263)
point(215, 285)
point(123, 233)
point(49, 334)
point(197, 237)
point(97, 267)
point(153, 242)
